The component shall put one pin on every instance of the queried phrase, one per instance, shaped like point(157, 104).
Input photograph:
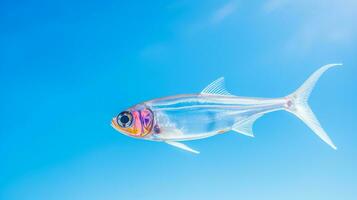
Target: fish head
point(136, 121)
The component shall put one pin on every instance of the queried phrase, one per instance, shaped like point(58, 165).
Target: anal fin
point(245, 127)
point(182, 146)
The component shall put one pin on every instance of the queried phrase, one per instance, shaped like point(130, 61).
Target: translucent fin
point(245, 127)
point(217, 87)
point(182, 146)
point(297, 104)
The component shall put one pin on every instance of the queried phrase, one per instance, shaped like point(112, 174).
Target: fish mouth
point(114, 124)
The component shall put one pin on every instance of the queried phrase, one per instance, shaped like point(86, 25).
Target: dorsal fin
point(217, 87)
point(246, 127)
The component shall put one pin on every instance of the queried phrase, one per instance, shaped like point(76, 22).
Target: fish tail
point(297, 103)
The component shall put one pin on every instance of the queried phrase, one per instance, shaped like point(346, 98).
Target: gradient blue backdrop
point(67, 67)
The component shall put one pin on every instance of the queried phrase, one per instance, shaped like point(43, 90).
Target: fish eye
point(125, 119)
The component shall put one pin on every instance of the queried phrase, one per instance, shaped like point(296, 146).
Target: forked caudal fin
point(297, 104)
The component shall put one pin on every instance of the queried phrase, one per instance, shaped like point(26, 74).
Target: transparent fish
point(214, 111)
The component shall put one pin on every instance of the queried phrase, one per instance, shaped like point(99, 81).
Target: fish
point(213, 111)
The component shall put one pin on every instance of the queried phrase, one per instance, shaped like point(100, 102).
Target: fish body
point(197, 116)
point(214, 111)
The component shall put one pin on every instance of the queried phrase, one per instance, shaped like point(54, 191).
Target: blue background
point(67, 67)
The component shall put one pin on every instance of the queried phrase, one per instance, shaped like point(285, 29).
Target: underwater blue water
point(67, 67)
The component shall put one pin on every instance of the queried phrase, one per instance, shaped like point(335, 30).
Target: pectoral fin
point(182, 146)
